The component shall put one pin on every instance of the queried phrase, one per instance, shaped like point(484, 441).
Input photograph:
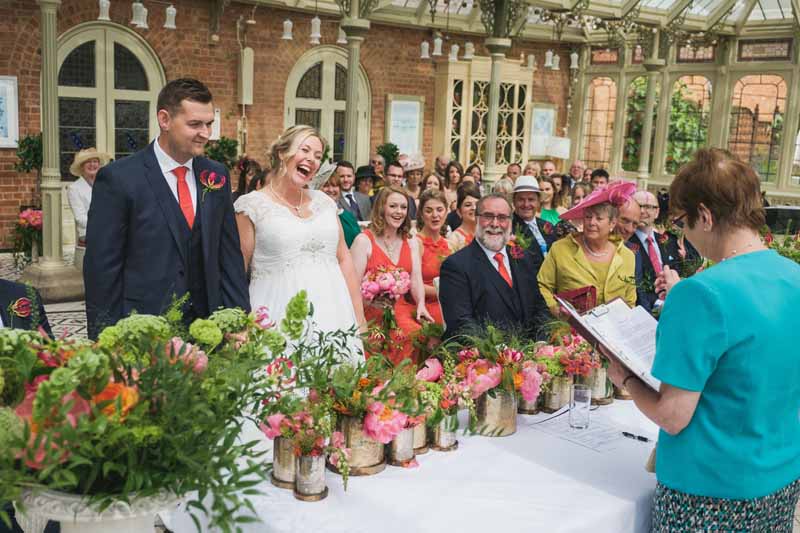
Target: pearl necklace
point(734, 252)
point(591, 252)
point(282, 199)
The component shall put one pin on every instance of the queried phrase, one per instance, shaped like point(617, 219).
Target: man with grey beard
point(490, 281)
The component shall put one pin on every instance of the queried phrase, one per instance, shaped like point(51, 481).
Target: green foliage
point(29, 154)
point(206, 332)
point(225, 151)
point(390, 152)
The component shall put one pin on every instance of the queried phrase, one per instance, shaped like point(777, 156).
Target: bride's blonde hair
point(286, 146)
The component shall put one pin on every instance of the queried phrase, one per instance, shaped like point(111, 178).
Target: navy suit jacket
point(10, 292)
point(472, 293)
point(135, 257)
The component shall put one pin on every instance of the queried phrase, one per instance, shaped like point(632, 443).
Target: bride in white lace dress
point(292, 240)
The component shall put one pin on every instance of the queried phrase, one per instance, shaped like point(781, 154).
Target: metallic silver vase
point(309, 482)
point(497, 417)
point(282, 463)
point(444, 434)
point(366, 455)
point(401, 449)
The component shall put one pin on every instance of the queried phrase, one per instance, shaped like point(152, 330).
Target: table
point(534, 480)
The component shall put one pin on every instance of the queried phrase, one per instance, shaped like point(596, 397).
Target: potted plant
point(29, 155)
point(27, 237)
point(124, 427)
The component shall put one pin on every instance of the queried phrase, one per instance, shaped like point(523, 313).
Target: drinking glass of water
point(579, 402)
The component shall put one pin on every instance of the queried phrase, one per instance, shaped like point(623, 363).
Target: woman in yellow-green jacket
point(595, 257)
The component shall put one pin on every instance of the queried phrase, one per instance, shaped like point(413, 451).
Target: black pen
point(635, 437)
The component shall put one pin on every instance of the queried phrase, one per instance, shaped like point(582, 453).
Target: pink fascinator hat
point(617, 193)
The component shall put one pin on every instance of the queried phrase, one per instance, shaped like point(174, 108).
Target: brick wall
point(390, 57)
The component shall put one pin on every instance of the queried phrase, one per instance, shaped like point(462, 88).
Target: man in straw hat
point(85, 166)
point(161, 224)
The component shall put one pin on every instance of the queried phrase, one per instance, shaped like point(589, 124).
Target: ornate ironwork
point(501, 17)
point(561, 18)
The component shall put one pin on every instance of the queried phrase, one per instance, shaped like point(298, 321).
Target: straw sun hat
point(86, 155)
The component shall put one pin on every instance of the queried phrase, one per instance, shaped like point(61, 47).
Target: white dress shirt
point(643, 239)
point(79, 194)
point(490, 254)
point(167, 165)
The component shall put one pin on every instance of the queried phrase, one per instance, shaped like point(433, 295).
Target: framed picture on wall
point(9, 117)
point(543, 128)
point(404, 121)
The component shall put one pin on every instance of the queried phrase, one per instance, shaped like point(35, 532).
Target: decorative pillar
point(497, 47)
point(55, 280)
point(355, 29)
point(654, 65)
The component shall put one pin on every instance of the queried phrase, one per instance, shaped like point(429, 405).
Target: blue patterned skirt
point(678, 512)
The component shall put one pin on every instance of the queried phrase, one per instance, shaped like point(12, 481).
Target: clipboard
point(605, 325)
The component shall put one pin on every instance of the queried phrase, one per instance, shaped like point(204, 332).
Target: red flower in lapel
point(21, 308)
point(515, 250)
point(211, 181)
point(547, 228)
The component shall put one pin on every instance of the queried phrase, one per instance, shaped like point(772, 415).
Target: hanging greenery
point(29, 155)
point(225, 151)
point(390, 152)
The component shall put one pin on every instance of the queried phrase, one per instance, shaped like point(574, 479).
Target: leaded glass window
point(480, 114)
point(310, 85)
point(598, 124)
point(131, 119)
point(689, 118)
point(758, 105)
point(309, 117)
point(76, 129)
point(634, 120)
point(78, 68)
point(340, 90)
point(128, 70)
point(458, 119)
point(510, 123)
point(338, 135)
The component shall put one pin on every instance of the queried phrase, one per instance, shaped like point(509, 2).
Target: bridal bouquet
point(147, 409)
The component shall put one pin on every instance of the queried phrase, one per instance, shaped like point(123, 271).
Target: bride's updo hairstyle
point(287, 145)
point(378, 220)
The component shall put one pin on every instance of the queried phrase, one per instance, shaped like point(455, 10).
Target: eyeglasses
point(678, 222)
point(488, 217)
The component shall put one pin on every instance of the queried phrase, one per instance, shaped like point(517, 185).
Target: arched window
point(598, 124)
point(758, 105)
point(634, 120)
point(316, 92)
point(108, 83)
point(689, 116)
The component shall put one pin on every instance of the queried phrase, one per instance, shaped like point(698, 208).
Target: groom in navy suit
point(156, 230)
point(490, 282)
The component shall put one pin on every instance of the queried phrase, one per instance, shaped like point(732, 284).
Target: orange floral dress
point(402, 346)
point(434, 252)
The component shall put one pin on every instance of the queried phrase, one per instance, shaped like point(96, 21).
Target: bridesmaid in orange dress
point(468, 196)
point(386, 244)
point(433, 250)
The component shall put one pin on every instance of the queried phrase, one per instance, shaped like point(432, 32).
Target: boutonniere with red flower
point(547, 228)
point(211, 181)
point(515, 250)
point(21, 308)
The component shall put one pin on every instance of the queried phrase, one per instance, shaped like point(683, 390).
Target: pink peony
point(482, 376)
point(512, 356)
point(468, 353)
point(385, 281)
point(432, 370)
point(262, 318)
point(531, 381)
point(382, 423)
point(272, 428)
point(546, 351)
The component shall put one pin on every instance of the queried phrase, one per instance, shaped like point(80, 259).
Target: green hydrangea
point(11, 427)
point(230, 320)
point(274, 341)
point(12, 388)
point(206, 333)
point(137, 326)
point(12, 340)
point(296, 313)
point(109, 337)
point(553, 366)
point(90, 366)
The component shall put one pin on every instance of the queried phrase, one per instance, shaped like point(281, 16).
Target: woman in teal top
point(550, 211)
point(728, 456)
point(350, 226)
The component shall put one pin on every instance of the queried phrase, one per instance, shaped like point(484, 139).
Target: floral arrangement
point(567, 354)
point(382, 288)
point(146, 409)
point(440, 389)
point(27, 232)
point(787, 245)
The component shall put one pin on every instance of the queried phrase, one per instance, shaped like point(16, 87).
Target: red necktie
point(184, 196)
point(501, 268)
point(651, 251)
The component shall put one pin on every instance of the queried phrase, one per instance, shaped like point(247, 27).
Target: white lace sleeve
point(250, 204)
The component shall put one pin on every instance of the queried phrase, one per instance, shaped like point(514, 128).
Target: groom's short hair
point(176, 91)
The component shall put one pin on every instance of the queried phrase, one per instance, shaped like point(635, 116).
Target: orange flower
point(518, 380)
point(363, 383)
point(129, 396)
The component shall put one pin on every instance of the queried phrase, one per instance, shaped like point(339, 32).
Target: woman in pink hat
point(594, 258)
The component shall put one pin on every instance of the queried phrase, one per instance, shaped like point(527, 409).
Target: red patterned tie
point(501, 268)
point(184, 196)
point(651, 251)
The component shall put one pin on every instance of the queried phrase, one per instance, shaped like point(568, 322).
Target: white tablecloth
point(530, 481)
